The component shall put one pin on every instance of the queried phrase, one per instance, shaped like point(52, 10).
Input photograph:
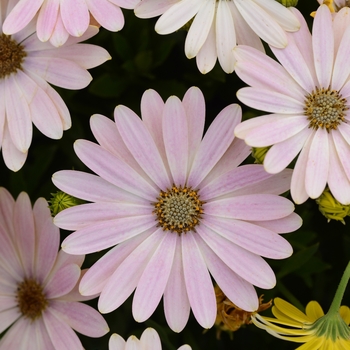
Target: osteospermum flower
point(26, 67)
point(219, 25)
point(334, 5)
point(149, 341)
point(175, 206)
point(308, 96)
point(39, 285)
point(56, 20)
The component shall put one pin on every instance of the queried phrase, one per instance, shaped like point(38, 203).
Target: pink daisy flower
point(177, 207)
point(58, 19)
point(308, 96)
point(218, 26)
point(26, 67)
point(39, 285)
point(149, 341)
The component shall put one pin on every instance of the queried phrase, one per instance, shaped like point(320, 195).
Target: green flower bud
point(61, 201)
point(259, 154)
point(288, 3)
point(331, 208)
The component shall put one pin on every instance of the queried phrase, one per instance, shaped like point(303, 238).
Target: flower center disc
point(31, 299)
point(178, 209)
point(325, 108)
point(11, 56)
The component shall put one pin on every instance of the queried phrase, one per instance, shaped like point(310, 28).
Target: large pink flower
point(39, 285)
point(175, 206)
point(309, 96)
point(26, 67)
point(57, 19)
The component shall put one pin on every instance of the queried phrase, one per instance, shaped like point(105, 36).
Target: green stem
point(334, 308)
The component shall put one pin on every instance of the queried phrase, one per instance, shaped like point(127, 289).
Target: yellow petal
point(313, 344)
point(345, 313)
point(290, 311)
point(314, 310)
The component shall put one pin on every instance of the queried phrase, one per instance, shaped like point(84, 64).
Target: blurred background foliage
point(142, 59)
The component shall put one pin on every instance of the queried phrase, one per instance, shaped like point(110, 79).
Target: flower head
point(149, 341)
point(57, 20)
point(316, 330)
point(308, 95)
point(219, 25)
point(26, 67)
point(39, 285)
point(175, 207)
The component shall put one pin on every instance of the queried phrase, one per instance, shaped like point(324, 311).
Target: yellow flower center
point(11, 56)
point(31, 299)
point(325, 108)
point(178, 209)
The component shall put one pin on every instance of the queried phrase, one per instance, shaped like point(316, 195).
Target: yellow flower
point(317, 330)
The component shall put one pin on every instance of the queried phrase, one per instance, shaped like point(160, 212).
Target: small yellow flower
point(317, 330)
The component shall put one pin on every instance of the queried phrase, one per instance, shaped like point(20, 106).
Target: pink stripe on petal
point(176, 135)
point(63, 281)
point(176, 303)
point(153, 281)
point(141, 145)
point(251, 267)
point(60, 333)
point(237, 289)
point(75, 16)
point(125, 279)
point(47, 19)
point(82, 318)
point(200, 289)
point(253, 238)
point(317, 167)
point(214, 144)
point(102, 235)
point(323, 45)
point(114, 170)
point(250, 207)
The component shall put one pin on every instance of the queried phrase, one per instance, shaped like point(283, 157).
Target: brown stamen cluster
point(11, 56)
point(31, 299)
point(325, 109)
point(178, 209)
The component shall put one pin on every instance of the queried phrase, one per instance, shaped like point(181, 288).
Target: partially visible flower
point(218, 26)
point(39, 285)
point(308, 95)
point(174, 207)
point(149, 341)
point(259, 153)
point(288, 3)
point(331, 208)
point(26, 67)
point(316, 330)
point(60, 201)
point(230, 318)
point(333, 5)
point(56, 20)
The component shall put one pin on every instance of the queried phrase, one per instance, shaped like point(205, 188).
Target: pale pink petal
point(154, 8)
point(317, 167)
point(270, 101)
point(175, 131)
point(214, 144)
point(21, 15)
point(7, 204)
point(237, 289)
point(141, 145)
point(8, 317)
point(125, 4)
point(150, 340)
point(61, 334)
point(200, 289)
point(176, 303)
point(63, 281)
point(256, 239)
point(287, 224)
point(78, 184)
point(47, 18)
point(250, 207)
point(125, 279)
point(255, 270)
point(75, 16)
point(116, 342)
point(60, 35)
point(343, 151)
point(2, 111)
point(105, 234)
point(11, 340)
point(113, 169)
point(151, 285)
point(340, 24)
point(323, 45)
point(225, 37)
point(108, 15)
point(82, 318)
point(282, 153)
